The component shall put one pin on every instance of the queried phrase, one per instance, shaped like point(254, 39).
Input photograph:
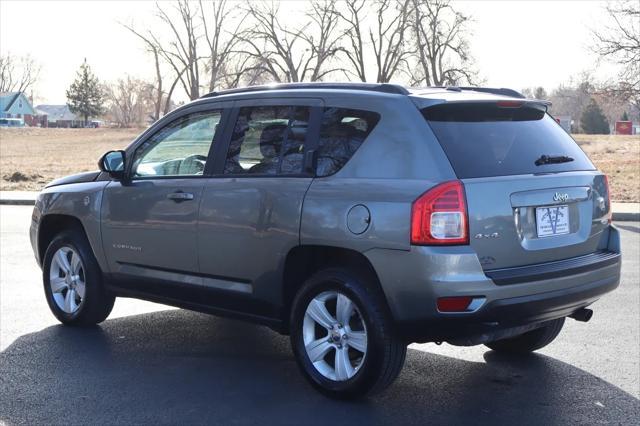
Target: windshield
point(484, 140)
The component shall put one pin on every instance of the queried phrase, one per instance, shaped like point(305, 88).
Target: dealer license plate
point(552, 220)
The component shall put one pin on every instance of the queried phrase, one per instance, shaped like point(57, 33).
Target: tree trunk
point(159, 83)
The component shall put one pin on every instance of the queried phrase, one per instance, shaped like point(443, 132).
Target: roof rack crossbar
point(374, 87)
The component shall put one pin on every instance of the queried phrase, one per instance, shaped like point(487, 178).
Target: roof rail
point(496, 91)
point(374, 87)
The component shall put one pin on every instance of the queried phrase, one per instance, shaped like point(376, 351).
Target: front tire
point(529, 341)
point(343, 337)
point(73, 281)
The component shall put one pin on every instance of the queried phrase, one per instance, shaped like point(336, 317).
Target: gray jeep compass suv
point(355, 217)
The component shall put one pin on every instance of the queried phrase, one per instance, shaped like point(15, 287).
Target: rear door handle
point(180, 196)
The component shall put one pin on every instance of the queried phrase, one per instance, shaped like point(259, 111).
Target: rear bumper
point(506, 317)
point(559, 269)
point(553, 304)
point(526, 297)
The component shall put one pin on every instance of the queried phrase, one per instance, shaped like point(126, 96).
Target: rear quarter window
point(483, 140)
point(342, 131)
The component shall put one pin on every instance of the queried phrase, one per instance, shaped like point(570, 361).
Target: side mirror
point(113, 163)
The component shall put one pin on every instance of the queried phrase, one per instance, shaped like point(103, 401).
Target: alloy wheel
point(335, 335)
point(67, 279)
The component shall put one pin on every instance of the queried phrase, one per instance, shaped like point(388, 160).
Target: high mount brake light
point(509, 104)
point(439, 216)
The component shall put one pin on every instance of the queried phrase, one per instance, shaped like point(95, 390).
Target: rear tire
point(73, 281)
point(529, 341)
point(344, 325)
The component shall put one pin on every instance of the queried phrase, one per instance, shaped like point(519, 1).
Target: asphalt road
point(150, 364)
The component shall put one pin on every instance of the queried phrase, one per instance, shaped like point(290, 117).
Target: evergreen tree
point(625, 116)
point(85, 96)
point(593, 120)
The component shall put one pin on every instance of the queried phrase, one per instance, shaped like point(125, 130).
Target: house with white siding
point(58, 116)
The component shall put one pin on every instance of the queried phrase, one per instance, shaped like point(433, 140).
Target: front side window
point(179, 149)
point(268, 140)
point(342, 131)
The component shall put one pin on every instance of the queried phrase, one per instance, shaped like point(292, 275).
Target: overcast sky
point(516, 44)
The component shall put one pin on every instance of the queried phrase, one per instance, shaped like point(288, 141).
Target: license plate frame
point(552, 221)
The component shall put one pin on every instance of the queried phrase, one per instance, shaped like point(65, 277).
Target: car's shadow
point(179, 367)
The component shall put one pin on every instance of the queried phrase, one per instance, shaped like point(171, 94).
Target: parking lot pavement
point(149, 364)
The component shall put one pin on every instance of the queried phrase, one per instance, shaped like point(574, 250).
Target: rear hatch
point(532, 194)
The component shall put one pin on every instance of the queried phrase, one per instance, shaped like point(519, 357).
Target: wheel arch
point(304, 260)
point(51, 225)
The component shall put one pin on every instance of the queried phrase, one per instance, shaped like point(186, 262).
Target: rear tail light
point(439, 216)
point(610, 211)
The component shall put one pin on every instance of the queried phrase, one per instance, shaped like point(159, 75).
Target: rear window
point(484, 140)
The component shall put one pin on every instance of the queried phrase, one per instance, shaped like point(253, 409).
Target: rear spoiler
point(506, 102)
point(494, 91)
point(535, 103)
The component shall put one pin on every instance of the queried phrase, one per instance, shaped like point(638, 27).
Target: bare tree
point(177, 47)
point(386, 38)
point(270, 45)
point(441, 50)
point(291, 54)
point(540, 93)
point(613, 105)
point(535, 92)
point(154, 49)
point(622, 92)
point(220, 43)
point(354, 20)
point(527, 92)
point(620, 43)
point(571, 99)
point(130, 99)
point(181, 53)
point(18, 73)
point(243, 70)
point(389, 38)
point(162, 101)
point(324, 39)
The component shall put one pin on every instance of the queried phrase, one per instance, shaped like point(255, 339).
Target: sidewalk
point(626, 211)
point(18, 198)
point(621, 211)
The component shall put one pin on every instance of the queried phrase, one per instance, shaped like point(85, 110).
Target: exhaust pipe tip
point(582, 315)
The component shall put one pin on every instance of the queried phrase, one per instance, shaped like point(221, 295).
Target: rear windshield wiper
point(553, 159)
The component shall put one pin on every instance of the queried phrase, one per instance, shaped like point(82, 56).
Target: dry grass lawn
point(31, 157)
point(619, 157)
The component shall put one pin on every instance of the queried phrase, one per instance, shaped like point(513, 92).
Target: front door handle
point(180, 196)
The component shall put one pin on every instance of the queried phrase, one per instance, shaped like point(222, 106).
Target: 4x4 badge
point(481, 236)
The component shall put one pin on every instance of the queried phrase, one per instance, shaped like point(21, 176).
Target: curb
point(619, 216)
point(626, 217)
point(17, 202)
